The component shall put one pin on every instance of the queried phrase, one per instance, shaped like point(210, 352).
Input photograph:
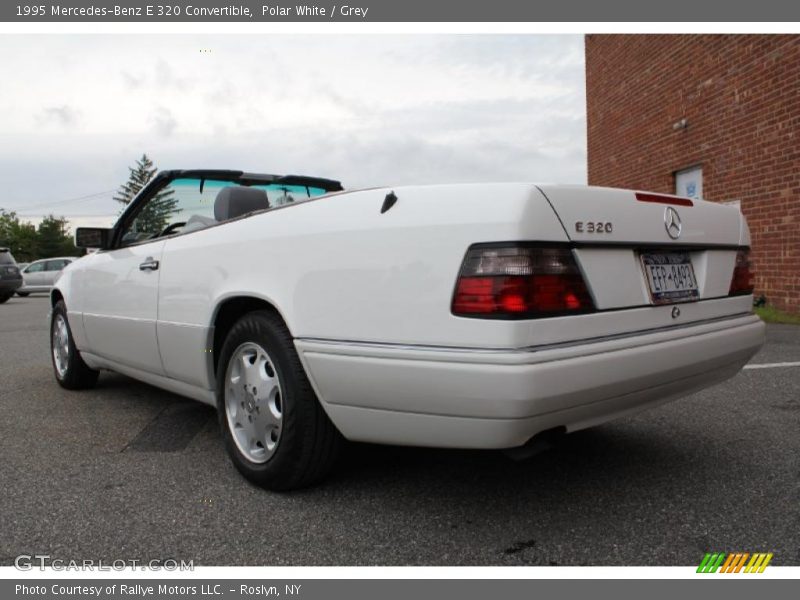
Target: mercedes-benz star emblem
point(672, 222)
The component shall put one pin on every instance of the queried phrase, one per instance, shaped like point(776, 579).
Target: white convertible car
point(458, 316)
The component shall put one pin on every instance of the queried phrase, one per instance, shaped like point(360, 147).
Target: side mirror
point(93, 237)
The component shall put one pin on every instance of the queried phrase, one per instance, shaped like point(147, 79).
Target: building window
point(689, 182)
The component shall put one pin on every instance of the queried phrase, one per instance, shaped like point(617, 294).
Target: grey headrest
point(235, 201)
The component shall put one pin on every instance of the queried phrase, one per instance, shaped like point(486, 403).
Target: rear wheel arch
point(231, 310)
point(281, 445)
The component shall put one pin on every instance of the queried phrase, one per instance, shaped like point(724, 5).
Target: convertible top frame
point(163, 178)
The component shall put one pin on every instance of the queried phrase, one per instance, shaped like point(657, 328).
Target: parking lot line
point(772, 365)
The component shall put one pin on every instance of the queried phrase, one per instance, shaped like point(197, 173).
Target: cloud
point(366, 109)
point(164, 121)
point(63, 115)
point(165, 77)
point(132, 80)
point(348, 103)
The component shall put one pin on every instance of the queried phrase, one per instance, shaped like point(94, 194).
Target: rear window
point(6, 258)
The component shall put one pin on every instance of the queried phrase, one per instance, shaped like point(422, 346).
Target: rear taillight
point(520, 281)
point(742, 280)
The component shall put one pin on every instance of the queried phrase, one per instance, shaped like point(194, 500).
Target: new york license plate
point(670, 276)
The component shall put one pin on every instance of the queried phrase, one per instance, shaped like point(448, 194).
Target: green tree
point(7, 220)
point(21, 238)
point(154, 217)
point(27, 242)
point(54, 238)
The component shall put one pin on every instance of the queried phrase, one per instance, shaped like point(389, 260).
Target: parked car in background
point(10, 278)
point(40, 275)
point(458, 316)
point(22, 265)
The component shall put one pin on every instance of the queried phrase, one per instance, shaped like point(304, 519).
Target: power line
point(76, 200)
point(72, 216)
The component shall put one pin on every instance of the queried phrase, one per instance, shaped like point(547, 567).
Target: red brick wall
point(740, 95)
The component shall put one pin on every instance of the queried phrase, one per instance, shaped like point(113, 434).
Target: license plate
point(670, 276)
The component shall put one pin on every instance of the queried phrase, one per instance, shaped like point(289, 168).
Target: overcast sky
point(76, 111)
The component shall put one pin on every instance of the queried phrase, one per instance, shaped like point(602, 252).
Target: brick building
point(714, 116)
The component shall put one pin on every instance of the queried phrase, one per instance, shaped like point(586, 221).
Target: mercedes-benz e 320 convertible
point(457, 316)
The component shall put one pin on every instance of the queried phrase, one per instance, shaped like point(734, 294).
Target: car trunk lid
point(626, 240)
point(641, 217)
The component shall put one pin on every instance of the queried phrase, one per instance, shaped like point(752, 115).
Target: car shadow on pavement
point(607, 455)
point(616, 454)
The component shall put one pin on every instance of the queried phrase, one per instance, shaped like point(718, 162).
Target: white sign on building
point(689, 182)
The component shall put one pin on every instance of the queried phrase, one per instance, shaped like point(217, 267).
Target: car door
point(52, 269)
point(33, 275)
point(120, 302)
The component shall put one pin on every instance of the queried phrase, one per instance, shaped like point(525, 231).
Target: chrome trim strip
point(178, 324)
point(144, 320)
point(118, 317)
point(524, 349)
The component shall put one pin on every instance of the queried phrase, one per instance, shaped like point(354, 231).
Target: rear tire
point(5, 298)
point(70, 370)
point(274, 429)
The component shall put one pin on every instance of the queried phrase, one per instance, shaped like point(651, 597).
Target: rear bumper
point(470, 398)
point(9, 286)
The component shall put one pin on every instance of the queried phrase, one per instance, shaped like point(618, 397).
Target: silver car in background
point(40, 275)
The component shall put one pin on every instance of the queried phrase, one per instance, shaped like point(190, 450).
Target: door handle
point(149, 265)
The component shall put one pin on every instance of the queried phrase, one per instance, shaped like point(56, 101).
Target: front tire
point(273, 427)
point(70, 370)
point(23, 294)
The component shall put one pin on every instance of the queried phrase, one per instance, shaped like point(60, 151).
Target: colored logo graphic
point(735, 562)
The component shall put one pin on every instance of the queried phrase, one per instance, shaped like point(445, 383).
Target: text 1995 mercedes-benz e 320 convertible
point(459, 316)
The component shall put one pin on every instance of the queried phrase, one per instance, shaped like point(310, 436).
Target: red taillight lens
point(520, 282)
point(742, 280)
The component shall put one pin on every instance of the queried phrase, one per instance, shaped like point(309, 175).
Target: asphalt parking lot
point(127, 471)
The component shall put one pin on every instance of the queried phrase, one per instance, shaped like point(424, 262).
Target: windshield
point(187, 204)
point(6, 258)
point(186, 199)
